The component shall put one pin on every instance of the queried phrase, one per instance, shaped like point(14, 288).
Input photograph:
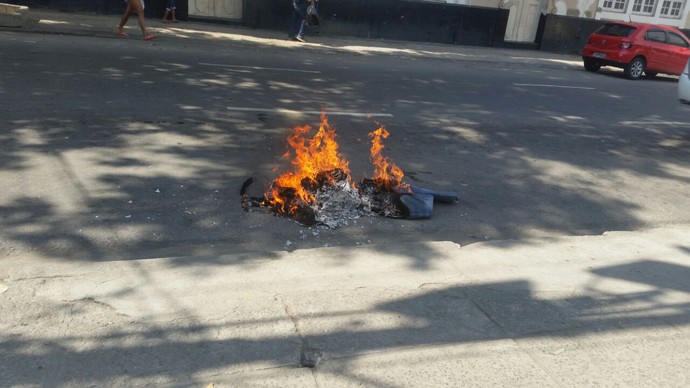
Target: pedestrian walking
point(299, 17)
point(170, 10)
point(134, 6)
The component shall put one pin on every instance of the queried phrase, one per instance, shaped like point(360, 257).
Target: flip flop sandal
point(150, 37)
point(122, 34)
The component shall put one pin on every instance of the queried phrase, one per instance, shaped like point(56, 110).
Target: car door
point(678, 52)
point(655, 49)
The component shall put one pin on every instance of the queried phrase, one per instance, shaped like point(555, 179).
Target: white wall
point(655, 18)
point(225, 9)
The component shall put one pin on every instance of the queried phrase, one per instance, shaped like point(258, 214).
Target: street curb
point(16, 16)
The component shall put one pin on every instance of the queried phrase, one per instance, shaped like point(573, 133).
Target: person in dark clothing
point(299, 16)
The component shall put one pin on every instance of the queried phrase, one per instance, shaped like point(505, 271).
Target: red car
point(637, 48)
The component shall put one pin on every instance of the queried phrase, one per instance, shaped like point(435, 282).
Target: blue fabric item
point(418, 205)
point(439, 196)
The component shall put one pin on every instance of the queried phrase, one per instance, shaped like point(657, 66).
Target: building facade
point(667, 12)
point(525, 14)
point(519, 22)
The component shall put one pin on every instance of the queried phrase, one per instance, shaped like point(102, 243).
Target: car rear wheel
point(635, 68)
point(591, 65)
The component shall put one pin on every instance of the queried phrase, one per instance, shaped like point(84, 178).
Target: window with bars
point(672, 8)
point(643, 7)
point(615, 5)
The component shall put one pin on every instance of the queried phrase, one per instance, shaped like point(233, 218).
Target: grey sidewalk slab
point(611, 310)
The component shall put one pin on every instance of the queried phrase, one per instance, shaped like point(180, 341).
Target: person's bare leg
point(125, 17)
point(165, 15)
point(142, 23)
point(136, 7)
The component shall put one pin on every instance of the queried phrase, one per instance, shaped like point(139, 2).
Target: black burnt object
point(383, 202)
point(335, 195)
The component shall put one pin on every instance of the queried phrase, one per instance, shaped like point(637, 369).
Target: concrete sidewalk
point(104, 26)
point(611, 310)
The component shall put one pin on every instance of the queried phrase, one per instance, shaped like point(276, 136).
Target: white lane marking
point(555, 86)
point(307, 112)
point(678, 123)
point(260, 68)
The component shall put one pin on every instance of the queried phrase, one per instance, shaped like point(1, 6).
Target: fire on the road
point(318, 189)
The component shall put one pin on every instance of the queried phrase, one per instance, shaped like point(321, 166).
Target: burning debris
point(319, 189)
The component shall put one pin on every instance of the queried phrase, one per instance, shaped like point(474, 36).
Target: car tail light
point(626, 45)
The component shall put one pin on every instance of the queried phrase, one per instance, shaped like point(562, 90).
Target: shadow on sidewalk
point(91, 344)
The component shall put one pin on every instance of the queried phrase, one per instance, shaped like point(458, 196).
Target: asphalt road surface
point(120, 149)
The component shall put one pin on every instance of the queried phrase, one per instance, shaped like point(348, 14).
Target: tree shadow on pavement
point(136, 153)
point(89, 342)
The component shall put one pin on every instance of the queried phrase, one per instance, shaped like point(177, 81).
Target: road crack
point(309, 356)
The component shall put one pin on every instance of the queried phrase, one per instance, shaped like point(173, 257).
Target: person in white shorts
point(134, 6)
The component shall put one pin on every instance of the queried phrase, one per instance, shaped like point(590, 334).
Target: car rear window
point(615, 30)
point(676, 40)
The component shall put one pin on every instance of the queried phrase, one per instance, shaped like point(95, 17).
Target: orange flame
point(311, 156)
point(315, 159)
point(386, 174)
